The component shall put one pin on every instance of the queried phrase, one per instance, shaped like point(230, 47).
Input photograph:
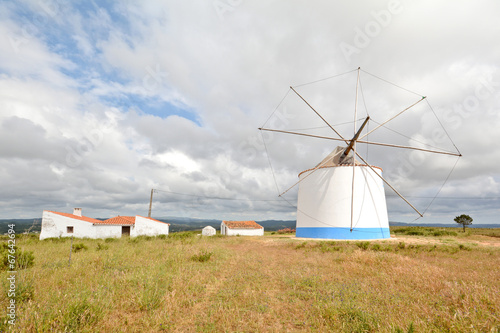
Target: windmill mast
point(353, 141)
point(352, 145)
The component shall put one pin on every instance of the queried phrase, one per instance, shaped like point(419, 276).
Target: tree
point(463, 220)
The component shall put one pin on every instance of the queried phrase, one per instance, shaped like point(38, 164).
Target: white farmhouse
point(56, 224)
point(242, 228)
point(208, 231)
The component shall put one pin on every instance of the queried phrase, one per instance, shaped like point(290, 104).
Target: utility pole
point(151, 202)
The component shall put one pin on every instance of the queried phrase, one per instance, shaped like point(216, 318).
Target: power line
point(216, 198)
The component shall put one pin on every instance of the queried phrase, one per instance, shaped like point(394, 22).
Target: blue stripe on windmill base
point(343, 233)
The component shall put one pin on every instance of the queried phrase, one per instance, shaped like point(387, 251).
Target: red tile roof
point(81, 218)
point(121, 220)
point(117, 220)
point(242, 225)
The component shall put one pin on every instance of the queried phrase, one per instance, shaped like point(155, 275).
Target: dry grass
point(271, 284)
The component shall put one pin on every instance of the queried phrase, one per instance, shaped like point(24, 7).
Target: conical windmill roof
point(333, 159)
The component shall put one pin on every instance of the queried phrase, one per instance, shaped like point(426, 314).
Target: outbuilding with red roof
point(242, 228)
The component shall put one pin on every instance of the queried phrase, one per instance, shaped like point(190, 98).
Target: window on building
point(69, 230)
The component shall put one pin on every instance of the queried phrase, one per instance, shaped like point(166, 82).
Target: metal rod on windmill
point(352, 145)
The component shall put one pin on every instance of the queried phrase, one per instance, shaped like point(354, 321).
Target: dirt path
point(476, 239)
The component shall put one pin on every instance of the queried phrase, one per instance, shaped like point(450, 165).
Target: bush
point(363, 245)
point(110, 240)
point(181, 235)
point(25, 259)
point(101, 246)
point(414, 233)
point(286, 231)
point(79, 247)
point(56, 239)
point(301, 245)
point(202, 257)
point(22, 259)
point(463, 247)
point(438, 233)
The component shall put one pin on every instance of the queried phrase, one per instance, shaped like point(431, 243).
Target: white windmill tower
point(343, 196)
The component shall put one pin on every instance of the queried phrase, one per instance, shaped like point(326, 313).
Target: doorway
point(126, 230)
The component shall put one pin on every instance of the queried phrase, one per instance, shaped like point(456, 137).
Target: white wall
point(55, 225)
point(208, 231)
point(324, 199)
point(108, 231)
point(146, 227)
point(241, 232)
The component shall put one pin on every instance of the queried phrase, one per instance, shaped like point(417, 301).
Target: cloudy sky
point(102, 101)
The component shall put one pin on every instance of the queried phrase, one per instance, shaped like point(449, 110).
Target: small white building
point(208, 231)
point(242, 228)
point(56, 224)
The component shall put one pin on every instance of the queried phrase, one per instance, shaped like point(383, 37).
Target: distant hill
point(21, 225)
point(442, 225)
point(186, 223)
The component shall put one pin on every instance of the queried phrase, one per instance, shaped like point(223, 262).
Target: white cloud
point(119, 99)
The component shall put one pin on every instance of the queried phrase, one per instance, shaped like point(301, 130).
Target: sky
point(102, 101)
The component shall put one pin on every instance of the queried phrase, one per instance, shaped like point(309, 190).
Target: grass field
point(423, 280)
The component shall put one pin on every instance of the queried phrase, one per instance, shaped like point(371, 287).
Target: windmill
point(343, 196)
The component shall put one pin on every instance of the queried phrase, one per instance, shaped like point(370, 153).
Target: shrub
point(414, 233)
point(25, 259)
point(22, 259)
point(329, 247)
point(56, 239)
point(110, 240)
point(463, 247)
point(202, 256)
point(181, 235)
point(301, 245)
point(363, 245)
point(438, 233)
point(101, 246)
point(286, 231)
point(79, 246)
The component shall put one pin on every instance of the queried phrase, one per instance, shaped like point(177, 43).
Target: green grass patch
point(203, 256)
